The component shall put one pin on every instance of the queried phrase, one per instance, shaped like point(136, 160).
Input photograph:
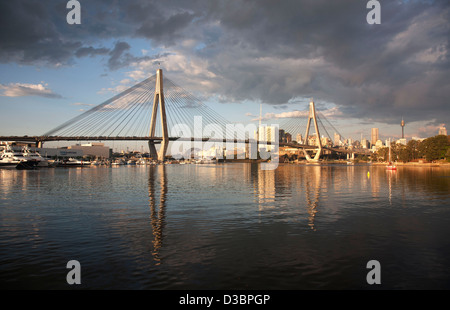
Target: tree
point(403, 153)
point(434, 148)
point(413, 149)
point(383, 154)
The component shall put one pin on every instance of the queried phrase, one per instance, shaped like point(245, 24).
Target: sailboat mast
point(389, 150)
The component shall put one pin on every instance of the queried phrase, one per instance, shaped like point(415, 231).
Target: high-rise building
point(299, 138)
point(337, 139)
point(374, 136)
point(364, 143)
point(267, 133)
point(282, 135)
point(442, 131)
point(349, 141)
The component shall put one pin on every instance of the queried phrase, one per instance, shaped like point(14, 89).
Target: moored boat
point(12, 159)
point(71, 162)
point(390, 166)
point(41, 161)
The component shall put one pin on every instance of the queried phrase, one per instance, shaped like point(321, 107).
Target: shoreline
point(414, 164)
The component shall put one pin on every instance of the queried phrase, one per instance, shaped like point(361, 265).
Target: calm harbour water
point(225, 226)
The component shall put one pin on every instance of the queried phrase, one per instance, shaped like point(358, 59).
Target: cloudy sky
point(235, 55)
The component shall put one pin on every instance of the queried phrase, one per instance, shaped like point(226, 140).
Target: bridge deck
point(156, 140)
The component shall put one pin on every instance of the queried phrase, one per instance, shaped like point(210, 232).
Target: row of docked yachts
point(24, 159)
point(27, 159)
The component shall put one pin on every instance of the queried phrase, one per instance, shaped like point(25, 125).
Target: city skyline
point(221, 53)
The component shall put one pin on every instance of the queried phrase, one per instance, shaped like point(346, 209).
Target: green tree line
point(430, 149)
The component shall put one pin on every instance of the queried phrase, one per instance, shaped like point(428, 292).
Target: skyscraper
point(337, 139)
point(374, 136)
point(267, 133)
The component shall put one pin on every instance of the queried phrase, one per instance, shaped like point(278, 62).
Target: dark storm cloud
point(28, 35)
point(165, 30)
point(375, 71)
point(271, 51)
point(91, 51)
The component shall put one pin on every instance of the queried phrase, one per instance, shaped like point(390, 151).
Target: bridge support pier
point(153, 152)
point(312, 117)
point(158, 100)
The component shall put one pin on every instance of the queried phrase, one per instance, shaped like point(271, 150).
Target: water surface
point(225, 226)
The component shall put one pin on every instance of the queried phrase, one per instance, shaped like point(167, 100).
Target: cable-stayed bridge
point(149, 109)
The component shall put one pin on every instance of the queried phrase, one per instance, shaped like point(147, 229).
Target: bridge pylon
point(312, 117)
point(158, 100)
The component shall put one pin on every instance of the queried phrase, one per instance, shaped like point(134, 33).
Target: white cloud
point(429, 130)
point(23, 89)
point(117, 89)
point(329, 113)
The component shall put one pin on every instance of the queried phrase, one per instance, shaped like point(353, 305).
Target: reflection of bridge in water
point(305, 193)
point(271, 186)
point(265, 189)
point(133, 116)
point(157, 187)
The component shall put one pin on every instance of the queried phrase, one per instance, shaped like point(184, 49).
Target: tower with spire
point(403, 128)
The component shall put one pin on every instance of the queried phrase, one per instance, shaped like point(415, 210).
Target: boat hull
point(27, 165)
point(8, 165)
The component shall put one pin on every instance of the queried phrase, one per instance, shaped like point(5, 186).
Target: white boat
point(12, 159)
point(390, 166)
point(27, 153)
point(141, 162)
point(72, 162)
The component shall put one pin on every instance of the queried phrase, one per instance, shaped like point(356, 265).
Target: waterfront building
point(284, 136)
point(401, 141)
point(95, 149)
point(379, 144)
